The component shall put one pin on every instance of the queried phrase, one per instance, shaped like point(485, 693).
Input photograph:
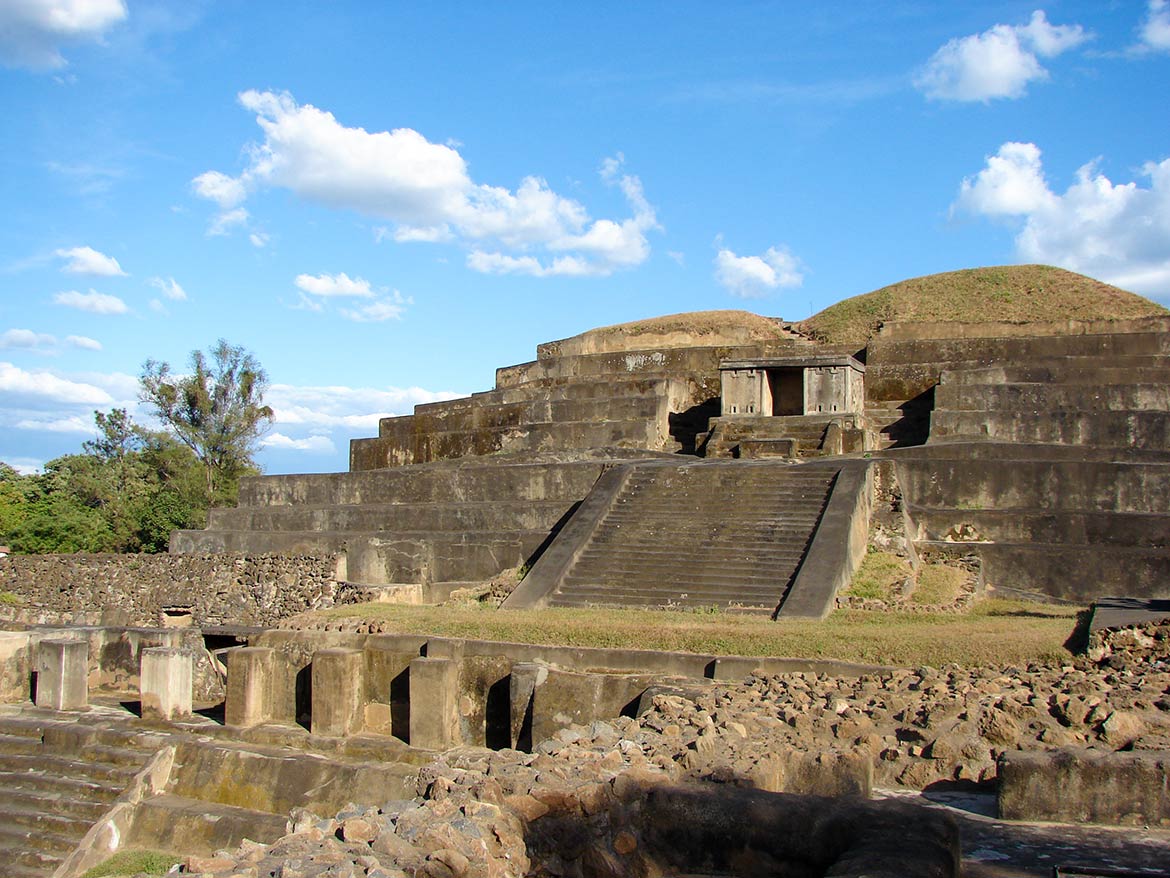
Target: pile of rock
point(595, 798)
point(571, 810)
point(1138, 646)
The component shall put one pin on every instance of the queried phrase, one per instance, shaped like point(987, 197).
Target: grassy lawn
point(992, 632)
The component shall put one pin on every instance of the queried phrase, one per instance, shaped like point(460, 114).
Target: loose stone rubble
point(573, 804)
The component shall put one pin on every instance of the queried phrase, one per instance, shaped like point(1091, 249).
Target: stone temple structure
point(725, 459)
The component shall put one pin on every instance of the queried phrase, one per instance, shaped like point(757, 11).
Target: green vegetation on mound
point(1003, 294)
point(993, 632)
point(697, 324)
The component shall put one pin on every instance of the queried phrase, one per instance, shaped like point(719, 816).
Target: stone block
point(14, 666)
point(434, 700)
point(522, 685)
point(165, 682)
point(1077, 785)
point(63, 674)
point(252, 688)
point(338, 692)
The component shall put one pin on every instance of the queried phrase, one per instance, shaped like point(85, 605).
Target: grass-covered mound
point(1001, 294)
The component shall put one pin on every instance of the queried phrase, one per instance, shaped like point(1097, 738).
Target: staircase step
point(65, 805)
point(714, 534)
point(21, 861)
point(34, 814)
point(51, 785)
point(34, 839)
point(48, 763)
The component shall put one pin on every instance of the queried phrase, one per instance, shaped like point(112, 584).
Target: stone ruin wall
point(166, 590)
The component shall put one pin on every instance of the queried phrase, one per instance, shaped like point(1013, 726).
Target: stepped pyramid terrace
point(221, 701)
point(731, 460)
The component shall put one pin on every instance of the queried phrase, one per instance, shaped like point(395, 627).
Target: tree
point(217, 410)
point(130, 489)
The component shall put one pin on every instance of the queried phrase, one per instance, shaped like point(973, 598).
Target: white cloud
point(415, 234)
point(312, 444)
point(93, 302)
point(86, 260)
point(998, 63)
point(84, 342)
point(31, 31)
point(753, 276)
point(334, 285)
point(351, 408)
point(1119, 233)
point(225, 221)
point(26, 339)
point(425, 189)
point(388, 308)
point(1155, 34)
point(378, 305)
point(71, 424)
point(259, 239)
point(225, 191)
point(49, 387)
point(1011, 183)
point(169, 287)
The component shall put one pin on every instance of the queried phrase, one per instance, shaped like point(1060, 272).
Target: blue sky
point(386, 201)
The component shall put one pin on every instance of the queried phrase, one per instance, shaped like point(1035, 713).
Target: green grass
point(9, 599)
point(878, 576)
point(992, 632)
point(125, 863)
point(1009, 294)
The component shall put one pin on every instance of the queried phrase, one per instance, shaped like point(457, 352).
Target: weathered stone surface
point(158, 590)
point(1086, 786)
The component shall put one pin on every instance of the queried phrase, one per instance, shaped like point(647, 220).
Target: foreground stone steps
point(57, 779)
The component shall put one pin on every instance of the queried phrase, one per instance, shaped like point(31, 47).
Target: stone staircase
point(57, 778)
point(1055, 471)
point(722, 534)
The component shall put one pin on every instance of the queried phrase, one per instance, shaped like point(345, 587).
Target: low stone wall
point(1079, 785)
point(166, 590)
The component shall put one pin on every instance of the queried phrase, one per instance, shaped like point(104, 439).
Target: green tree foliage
point(217, 410)
point(126, 493)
